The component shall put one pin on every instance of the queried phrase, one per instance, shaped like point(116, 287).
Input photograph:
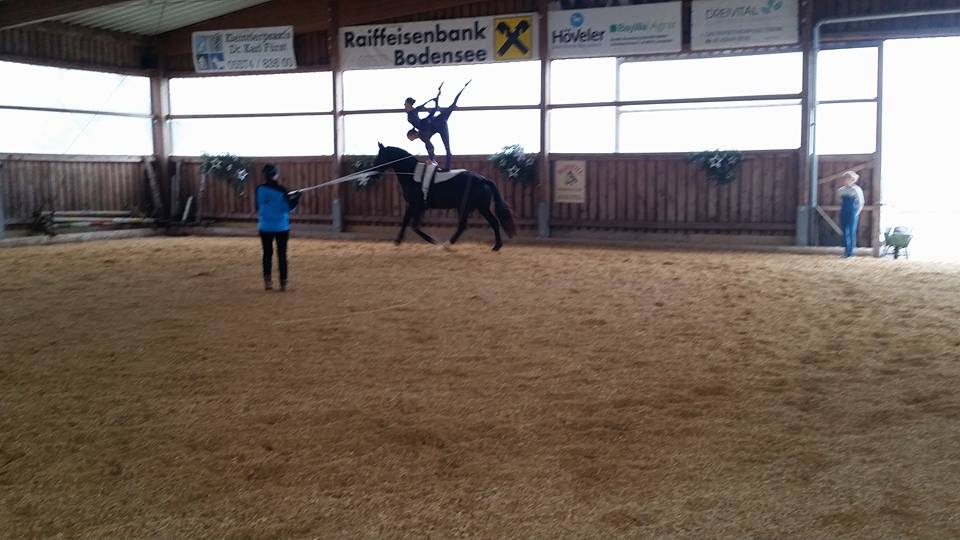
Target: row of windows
point(845, 75)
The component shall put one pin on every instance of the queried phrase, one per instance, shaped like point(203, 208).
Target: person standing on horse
point(274, 205)
point(434, 123)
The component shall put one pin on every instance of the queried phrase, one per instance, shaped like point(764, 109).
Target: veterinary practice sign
point(248, 49)
point(616, 31)
point(474, 40)
point(724, 24)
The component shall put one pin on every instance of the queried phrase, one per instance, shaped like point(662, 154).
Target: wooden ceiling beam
point(14, 13)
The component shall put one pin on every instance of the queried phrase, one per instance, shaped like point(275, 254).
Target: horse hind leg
point(495, 225)
point(461, 226)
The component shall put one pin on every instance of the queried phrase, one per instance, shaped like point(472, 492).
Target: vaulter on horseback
point(433, 123)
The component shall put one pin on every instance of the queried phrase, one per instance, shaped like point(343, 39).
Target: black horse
point(465, 192)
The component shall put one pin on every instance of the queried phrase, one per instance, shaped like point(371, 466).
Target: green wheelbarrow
point(896, 240)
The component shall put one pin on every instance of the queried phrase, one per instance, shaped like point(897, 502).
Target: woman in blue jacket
point(274, 206)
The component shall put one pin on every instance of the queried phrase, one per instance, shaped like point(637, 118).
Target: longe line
point(347, 178)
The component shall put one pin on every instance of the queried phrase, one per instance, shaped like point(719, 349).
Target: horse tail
point(504, 213)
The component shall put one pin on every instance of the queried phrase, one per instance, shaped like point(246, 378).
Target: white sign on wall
point(474, 40)
point(724, 24)
point(616, 31)
point(248, 49)
point(570, 182)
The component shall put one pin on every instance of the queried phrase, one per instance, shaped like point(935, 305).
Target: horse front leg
point(407, 214)
point(418, 214)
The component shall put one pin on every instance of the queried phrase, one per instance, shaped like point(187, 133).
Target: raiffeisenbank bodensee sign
point(473, 40)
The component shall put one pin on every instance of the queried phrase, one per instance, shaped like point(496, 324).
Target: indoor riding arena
point(311, 269)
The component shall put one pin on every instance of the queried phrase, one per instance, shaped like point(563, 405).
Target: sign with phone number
point(248, 49)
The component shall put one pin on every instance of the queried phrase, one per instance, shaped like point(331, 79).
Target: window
point(50, 110)
point(471, 132)
point(846, 97)
point(252, 94)
point(587, 80)
point(583, 130)
point(765, 74)
point(512, 83)
point(847, 74)
point(749, 125)
point(380, 94)
point(764, 113)
point(255, 136)
point(253, 115)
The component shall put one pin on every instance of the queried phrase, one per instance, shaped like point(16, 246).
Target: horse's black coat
point(465, 192)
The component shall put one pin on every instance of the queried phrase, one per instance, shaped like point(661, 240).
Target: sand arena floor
point(151, 389)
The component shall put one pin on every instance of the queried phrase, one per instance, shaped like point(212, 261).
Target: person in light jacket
point(852, 204)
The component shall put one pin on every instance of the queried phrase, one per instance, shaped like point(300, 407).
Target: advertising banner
point(473, 40)
point(616, 31)
point(726, 24)
point(248, 49)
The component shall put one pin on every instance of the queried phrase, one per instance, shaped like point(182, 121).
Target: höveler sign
point(474, 40)
point(725, 24)
point(616, 31)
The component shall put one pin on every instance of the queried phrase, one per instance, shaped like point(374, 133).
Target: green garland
point(514, 164)
point(228, 168)
point(721, 166)
point(362, 163)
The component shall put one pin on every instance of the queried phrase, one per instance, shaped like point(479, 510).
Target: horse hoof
point(446, 246)
point(497, 247)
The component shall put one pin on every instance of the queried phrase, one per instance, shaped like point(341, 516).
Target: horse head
point(388, 157)
point(391, 157)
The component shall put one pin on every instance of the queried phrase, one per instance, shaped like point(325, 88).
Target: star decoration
point(716, 162)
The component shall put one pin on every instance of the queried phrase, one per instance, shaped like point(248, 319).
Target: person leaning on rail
point(274, 205)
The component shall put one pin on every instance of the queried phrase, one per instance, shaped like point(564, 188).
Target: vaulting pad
point(429, 171)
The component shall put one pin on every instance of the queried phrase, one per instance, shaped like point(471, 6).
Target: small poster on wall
point(726, 24)
point(248, 49)
point(570, 182)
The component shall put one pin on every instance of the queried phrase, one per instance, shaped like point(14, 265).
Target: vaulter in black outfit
point(434, 123)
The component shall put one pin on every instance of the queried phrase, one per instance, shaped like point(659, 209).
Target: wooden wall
point(635, 193)
point(221, 202)
point(463, 9)
point(666, 193)
point(937, 25)
point(74, 46)
point(74, 183)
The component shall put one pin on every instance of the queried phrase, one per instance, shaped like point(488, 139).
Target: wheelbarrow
point(897, 240)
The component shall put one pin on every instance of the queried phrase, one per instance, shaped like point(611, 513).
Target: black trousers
point(267, 239)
